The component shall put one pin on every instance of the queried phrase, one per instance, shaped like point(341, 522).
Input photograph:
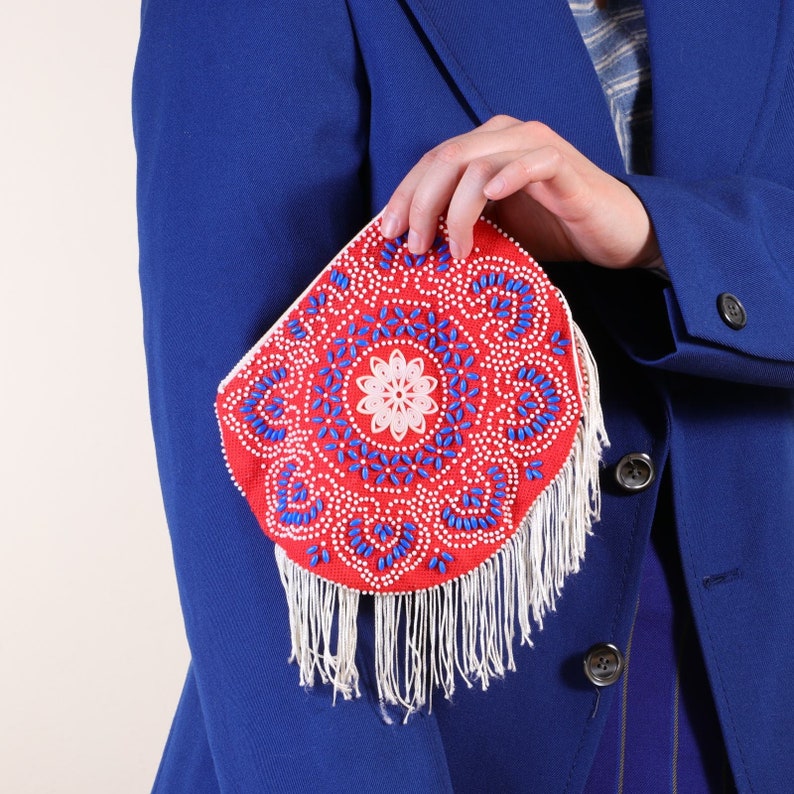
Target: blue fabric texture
point(267, 134)
point(187, 763)
point(662, 733)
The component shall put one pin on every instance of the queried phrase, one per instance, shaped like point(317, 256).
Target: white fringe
point(466, 627)
point(314, 604)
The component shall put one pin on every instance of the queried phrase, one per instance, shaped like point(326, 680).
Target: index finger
point(398, 212)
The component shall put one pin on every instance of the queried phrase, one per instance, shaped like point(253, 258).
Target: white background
point(92, 649)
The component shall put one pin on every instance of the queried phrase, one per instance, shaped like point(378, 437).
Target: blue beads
point(513, 295)
point(290, 494)
point(537, 405)
point(296, 329)
point(533, 471)
point(357, 542)
point(559, 346)
point(316, 303)
point(317, 555)
point(440, 561)
point(274, 407)
point(339, 279)
point(474, 499)
point(402, 540)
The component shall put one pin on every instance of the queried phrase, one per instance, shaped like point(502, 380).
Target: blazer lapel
point(524, 58)
point(709, 63)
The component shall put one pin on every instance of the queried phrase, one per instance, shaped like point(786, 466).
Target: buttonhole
point(721, 578)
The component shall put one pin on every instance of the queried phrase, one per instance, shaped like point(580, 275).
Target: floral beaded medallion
point(425, 430)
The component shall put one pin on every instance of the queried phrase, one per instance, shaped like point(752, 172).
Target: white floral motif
point(397, 395)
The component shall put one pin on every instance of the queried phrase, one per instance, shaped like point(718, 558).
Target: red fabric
point(394, 428)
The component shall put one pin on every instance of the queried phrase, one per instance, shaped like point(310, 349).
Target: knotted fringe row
point(465, 627)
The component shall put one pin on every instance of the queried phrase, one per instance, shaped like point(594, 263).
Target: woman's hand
point(537, 187)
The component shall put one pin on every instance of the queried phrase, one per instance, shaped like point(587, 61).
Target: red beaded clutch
point(426, 431)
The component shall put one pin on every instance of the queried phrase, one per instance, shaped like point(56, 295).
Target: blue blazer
point(267, 134)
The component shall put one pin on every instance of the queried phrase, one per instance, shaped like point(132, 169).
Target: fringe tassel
point(314, 603)
point(466, 627)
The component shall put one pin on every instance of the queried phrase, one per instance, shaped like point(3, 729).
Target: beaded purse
point(425, 431)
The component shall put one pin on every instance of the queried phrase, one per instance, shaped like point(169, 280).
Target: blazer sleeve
point(725, 226)
point(719, 238)
point(251, 126)
point(723, 237)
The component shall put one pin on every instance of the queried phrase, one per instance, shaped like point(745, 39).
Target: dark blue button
point(635, 472)
point(731, 310)
point(603, 664)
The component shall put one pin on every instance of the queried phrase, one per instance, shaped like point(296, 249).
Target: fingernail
point(454, 249)
point(494, 187)
point(414, 242)
point(388, 225)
